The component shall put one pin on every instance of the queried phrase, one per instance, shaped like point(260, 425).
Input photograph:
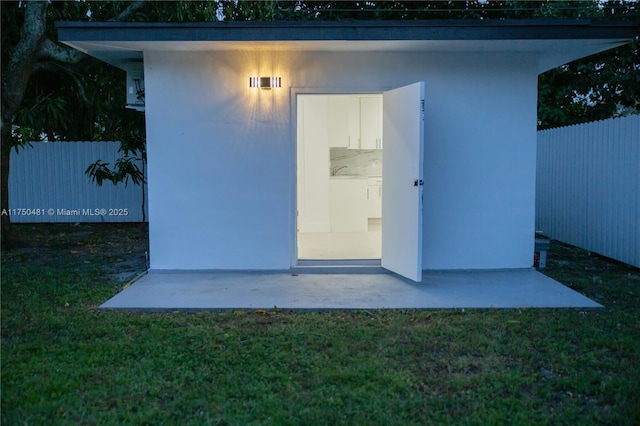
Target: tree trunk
point(6, 236)
point(32, 50)
point(14, 83)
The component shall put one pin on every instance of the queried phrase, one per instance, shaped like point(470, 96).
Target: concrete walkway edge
point(222, 290)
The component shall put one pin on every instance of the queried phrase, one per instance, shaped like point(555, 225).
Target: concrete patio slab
point(175, 290)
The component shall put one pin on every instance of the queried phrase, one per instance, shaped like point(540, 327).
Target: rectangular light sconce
point(266, 83)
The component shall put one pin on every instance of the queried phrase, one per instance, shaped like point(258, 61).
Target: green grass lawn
point(66, 362)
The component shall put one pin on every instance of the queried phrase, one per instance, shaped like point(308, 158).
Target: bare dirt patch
point(117, 250)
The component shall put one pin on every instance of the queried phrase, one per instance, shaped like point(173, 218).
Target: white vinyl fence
point(588, 186)
point(47, 183)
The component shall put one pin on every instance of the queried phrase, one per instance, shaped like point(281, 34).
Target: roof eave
point(349, 30)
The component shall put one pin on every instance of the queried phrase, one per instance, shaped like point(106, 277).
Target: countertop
point(352, 177)
point(347, 177)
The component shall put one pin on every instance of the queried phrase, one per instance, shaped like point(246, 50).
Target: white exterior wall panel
point(588, 186)
point(222, 156)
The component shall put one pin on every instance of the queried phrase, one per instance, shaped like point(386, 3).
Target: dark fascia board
point(521, 29)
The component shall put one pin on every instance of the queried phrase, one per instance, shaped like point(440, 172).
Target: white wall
point(313, 164)
point(480, 153)
point(218, 163)
point(222, 156)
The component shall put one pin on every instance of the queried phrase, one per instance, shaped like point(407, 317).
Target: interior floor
point(342, 245)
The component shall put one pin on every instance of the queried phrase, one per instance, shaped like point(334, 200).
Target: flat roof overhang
point(556, 41)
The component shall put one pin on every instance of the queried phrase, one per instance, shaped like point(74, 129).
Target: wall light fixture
point(266, 83)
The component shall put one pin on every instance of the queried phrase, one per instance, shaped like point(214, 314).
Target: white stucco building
point(232, 183)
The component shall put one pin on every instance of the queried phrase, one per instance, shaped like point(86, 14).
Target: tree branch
point(33, 29)
point(19, 68)
point(55, 67)
point(56, 52)
point(133, 8)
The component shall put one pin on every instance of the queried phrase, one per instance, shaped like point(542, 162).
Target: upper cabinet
point(355, 121)
point(338, 110)
point(371, 122)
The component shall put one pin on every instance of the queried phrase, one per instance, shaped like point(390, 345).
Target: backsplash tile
point(359, 162)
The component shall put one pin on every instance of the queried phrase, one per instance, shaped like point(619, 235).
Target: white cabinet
point(348, 204)
point(345, 117)
point(353, 115)
point(364, 121)
point(338, 110)
point(371, 122)
point(374, 198)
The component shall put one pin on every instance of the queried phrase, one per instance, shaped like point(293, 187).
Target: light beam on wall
point(266, 83)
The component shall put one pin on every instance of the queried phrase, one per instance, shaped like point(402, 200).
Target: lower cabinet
point(374, 198)
point(352, 202)
point(348, 205)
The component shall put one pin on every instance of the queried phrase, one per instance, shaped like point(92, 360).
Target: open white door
point(402, 171)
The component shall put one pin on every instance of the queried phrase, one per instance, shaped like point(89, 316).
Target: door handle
point(418, 182)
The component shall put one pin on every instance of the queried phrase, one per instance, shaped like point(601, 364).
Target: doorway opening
point(339, 177)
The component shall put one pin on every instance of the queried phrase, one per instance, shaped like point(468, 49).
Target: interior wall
point(222, 156)
point(313, 164)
